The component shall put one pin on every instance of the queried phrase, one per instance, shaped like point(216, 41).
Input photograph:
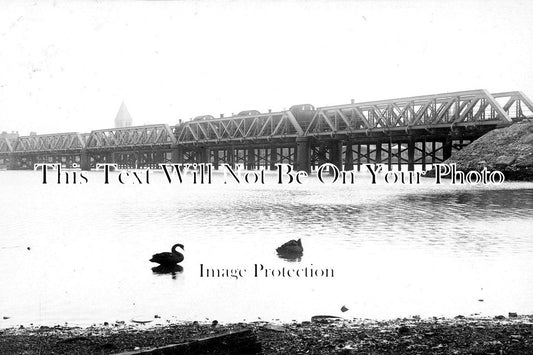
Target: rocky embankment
point(500, 335)
point(509, 150)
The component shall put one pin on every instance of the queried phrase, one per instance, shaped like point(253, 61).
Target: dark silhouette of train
point(303, 113)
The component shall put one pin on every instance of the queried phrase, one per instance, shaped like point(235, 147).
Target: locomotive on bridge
point(303, 113)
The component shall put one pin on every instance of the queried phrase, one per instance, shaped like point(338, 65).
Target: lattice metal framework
point(265, 125)
point(127, 137)
point(5, 145)
point(71, 141)
point(466, 108)
point(85, 138)
point(517, 105)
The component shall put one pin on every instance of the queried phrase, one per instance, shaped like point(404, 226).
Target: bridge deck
point(275, 135)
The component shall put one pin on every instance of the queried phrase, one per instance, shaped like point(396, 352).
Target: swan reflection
point(291, 257)
point(168, 269)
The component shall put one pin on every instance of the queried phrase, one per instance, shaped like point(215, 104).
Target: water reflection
point(168, 269)
point(484, 201)
point(291, 257)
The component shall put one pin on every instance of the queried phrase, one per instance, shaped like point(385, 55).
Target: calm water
point(395, 250)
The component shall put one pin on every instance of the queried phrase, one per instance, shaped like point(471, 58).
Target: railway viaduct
point(402, 132)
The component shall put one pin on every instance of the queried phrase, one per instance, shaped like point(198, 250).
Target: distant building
point(10, 136)
point(123, 118)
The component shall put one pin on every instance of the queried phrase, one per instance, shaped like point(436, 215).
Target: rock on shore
point(509, 150)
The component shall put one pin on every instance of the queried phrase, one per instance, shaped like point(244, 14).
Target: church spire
point(123, 118)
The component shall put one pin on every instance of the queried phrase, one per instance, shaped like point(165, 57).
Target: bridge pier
point(250, 159)
point(110, 158)
point(13, 162)
point(447, 148)
point(176, 154)
point(85, 161)
point(399, 155)
point(424, 155)
point(411, 154)
point(303, 161)
point(389, 155)
point(358, 157)
point(215, 158)
point(231, 156)
point(348, 158)
point(378, 152)
point(273, 157)
point(335, 154)
point(205, 155)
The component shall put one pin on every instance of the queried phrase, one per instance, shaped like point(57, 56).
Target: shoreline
point(322, 335)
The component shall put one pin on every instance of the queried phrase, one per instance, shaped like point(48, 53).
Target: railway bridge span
point(402, 132)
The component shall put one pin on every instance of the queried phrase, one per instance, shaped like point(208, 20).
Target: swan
point(167, 258)
point(291, 247)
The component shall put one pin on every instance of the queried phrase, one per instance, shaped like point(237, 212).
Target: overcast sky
point(67, 66)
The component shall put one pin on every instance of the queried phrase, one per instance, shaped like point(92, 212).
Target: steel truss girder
point(5, 145)
point(517, 105)
point(71, 141)
point(476, 108)
point(465, 108)
point(136, 136)
point(265, 125)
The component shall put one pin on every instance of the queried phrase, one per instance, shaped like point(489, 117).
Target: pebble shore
point(459, 335)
